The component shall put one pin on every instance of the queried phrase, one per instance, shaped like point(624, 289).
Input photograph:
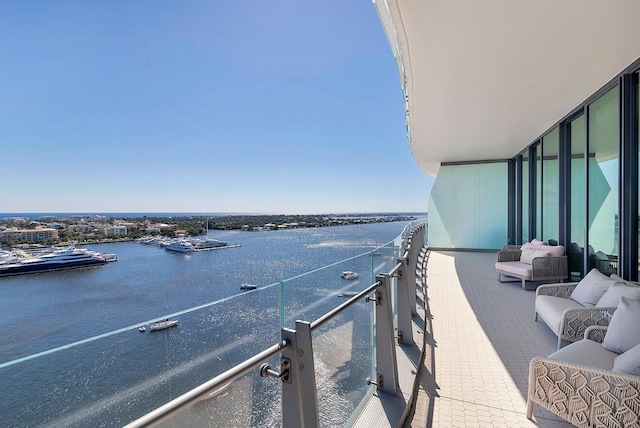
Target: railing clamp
point(268, 371)
point(377, 298)
point(399, 336)
point(379, 381)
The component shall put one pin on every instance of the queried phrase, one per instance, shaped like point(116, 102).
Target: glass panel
point(638, 219)
point(525, 198)
point(550, 186)
point(578, 198)
point(311, 295)
point(343, 361)
point(125, 374)
point(603, 182)
point(261, 405)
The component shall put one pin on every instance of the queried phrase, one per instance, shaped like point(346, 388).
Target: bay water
point(123, 373)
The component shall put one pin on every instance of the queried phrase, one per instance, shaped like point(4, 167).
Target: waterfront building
point(28, 235)
point(80, 228)
point(115, 231)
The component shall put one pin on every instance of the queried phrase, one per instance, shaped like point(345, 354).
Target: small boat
point(142, 329)
point(348, 294)
point(347, 274)
point(246, 286)
point(161, 325)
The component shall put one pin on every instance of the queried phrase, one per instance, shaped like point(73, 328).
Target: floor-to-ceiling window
point(575, 247)
point(549, 186)
point(603, 115)
point(538, 202)
point(525, 198)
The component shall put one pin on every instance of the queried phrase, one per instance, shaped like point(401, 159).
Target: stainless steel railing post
point(386, 361)
point(299, 399)
point(411, 274)
point(405, 331)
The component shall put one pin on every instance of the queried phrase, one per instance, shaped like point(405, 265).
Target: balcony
point(478, 338)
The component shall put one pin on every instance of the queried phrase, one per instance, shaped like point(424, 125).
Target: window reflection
point(603, 182)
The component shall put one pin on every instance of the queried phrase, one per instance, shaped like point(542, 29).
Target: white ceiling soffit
point(486, 78)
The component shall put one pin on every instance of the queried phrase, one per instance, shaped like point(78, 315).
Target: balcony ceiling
point(486, 78)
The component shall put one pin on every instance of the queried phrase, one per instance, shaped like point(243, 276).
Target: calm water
point(113, 380)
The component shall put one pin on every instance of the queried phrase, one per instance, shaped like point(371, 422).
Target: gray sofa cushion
point(550, 309)
point(628, 362)
point(612, 296)
point(591, 288)
point(623, 332)
point(586, 352)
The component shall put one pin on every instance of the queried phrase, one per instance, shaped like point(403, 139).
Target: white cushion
point(612, 296)
point(623, 332)
point(529, 254)
point(519, 269)
point(586, 352)
point(550, 309)
point(620, 279)
point(554, 250)
point(536, 241)
point(591, 288)
point(628, 362)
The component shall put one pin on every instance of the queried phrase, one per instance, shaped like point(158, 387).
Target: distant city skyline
point(202, 107)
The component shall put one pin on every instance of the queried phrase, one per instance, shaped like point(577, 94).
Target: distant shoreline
point(36, 215)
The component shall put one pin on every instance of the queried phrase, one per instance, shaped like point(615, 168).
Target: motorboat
point(348, 294)
point(161, 325)
point(347, 274)
point(246, 286)
point(142, 329)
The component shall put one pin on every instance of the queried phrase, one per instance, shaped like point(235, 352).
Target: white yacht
point(51, 260)
point(207, 244)
point(180, 246)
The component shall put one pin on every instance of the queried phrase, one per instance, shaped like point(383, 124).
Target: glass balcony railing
point(115, 378)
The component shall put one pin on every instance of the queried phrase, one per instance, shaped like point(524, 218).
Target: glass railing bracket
point(379, 382)
point(377, 298)
point(285, 364)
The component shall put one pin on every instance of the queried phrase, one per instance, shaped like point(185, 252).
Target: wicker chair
point(574, 321)
point(584, 396)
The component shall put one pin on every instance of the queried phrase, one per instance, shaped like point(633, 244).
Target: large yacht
point(180, 246)
point(207, 244)
point(52, 259)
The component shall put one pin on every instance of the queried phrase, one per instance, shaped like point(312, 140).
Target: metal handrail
point(335, 311)
point(210, 387)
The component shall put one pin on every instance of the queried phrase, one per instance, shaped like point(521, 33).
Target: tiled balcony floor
point(480, 338)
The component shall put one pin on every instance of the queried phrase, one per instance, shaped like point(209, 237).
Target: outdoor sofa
point(533, 261)
point(594, 381)
point(569, 308)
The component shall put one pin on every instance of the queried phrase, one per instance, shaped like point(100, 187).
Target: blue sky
point(202, 106)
